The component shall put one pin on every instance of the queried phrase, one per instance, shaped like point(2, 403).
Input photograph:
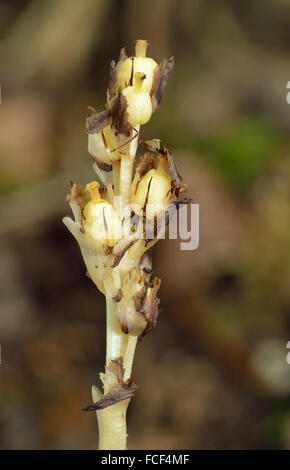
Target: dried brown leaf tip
point(146, 163)
point(91, 111)
point(123, 55)
point(119, 392)
point(119, 254)
point(116, 115)
point(112, 90)
point(113, 82)
point(160, 79)
point(78, 195)
point(149, 307)
point(97, 122)
point(155, 145)
point(120, 115)
point(117, 368)
point(101, 164)
point(134, 290)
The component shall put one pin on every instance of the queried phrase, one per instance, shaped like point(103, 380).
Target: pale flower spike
point(109, 224)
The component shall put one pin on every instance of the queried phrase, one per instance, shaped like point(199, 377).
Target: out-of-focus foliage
point(213, 373)
point(243, 150)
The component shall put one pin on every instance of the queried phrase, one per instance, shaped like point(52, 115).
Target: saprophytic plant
point(117, 221)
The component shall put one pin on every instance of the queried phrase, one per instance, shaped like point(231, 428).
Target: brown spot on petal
point(118, 296)
point(124, 325)
point(108, 250)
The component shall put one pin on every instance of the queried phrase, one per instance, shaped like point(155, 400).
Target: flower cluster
point(110, 216)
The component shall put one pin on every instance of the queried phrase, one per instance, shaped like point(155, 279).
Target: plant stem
point(112, 420)
point(115, 338)
point(129, 355)
point(127, 163)
point(116, 177)
point(112, 426)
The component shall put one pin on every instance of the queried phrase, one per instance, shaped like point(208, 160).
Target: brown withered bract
point(117, 368)
point(119, 392)
point(176, 191)
point(120, 115)
point(78, 194)
point(103, 192)
point(97, 122)
point(102, 165)
point(139, 299)
point(146, 163)
point(149, 307)
point(156, 225)
point(91, 111)
point(145, 264)
point(160, 78)
point(155, 145)
point(123, 55)
point(113, 82)
point(120, 255)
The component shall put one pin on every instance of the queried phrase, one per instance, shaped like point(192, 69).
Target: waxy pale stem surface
point(116, 177)
point(115, 338)
point(112, 424)
point(126, 169)
point(112, 420)
point(129, 355)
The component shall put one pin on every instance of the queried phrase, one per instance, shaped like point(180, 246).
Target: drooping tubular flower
point(153, 189)
point(139, 106)
point(101, 221)
point(127, 68)
point(111, 220)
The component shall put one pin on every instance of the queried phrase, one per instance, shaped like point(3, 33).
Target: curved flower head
point(135, 90)
point(117, 259)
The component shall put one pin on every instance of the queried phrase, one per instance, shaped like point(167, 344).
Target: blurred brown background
point(213, 374)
